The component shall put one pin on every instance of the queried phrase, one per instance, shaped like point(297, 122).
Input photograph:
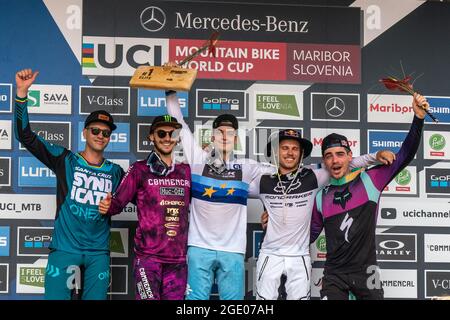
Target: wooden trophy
point(171, 77)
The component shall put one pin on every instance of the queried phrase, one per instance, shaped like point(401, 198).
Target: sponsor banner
point(258, 236)
point(56, 132)
point(34, 241)
point(399, 283)
point(437, 283)
point(235, 21)
point(262, 135)
point(413, 212)
point(318, 249)
point(440, 108)
point(143, 143)
point(124, 163)
point(323, 63)
point(212, 103)
point(30, 277)
point(317, 135)
point(385, 139)
point(437, 248)
point(27, 206)
point(203, 134)
point(4, 278)
point(437, 181)
point(33, 173)
point(119, 242)
point(233, 60)
point(5, 171)
point(153, 103)
point(50, 99)
point(404, 183)
point(4, 241)
point(386, 108)
point(115, 100)
point(119, 279)
point(5, 134)
point(316, 282)
point(436, 145)
point(396, 247)
point(128, 213)
point(335, 106)
point(5, 97)
point(279, 105)
point(120, 56)
point(119, 141)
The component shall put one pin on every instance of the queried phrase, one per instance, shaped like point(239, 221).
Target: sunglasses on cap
point(95, 131)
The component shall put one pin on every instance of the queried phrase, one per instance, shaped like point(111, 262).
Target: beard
point(162, 152)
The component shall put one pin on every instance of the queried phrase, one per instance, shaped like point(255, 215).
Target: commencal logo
point(437, 142)
point(34, 98)
point(403, 178)
point(277, 103)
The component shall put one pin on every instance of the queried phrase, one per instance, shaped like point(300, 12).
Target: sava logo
point(50, 99)
point(171, 191)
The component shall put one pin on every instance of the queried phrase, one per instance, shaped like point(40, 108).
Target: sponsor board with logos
point(119, 140)
point(27, 206)
point(437, 283)
point(317, 135)
point(5, 97)
point(153, 103)
point(396, 247)
point(318, 249)
point(33, 173)
point(4, 278)
point(5, 134)
point(34, 241)
point(404, 183)
point(413, 212)
point(335, 106)
point(5, 171)
point(437, 181)
point(436, 145)
point(280, 105)
point(56, 132)
point(115, 100)
point(212, 103)
point(399, 283)
point(262, 135)
point(30, 278)
point(124, 163)
point(437, 248)
point(386, 108)
point(128, 214)
point(440, 107)
point(119, 280)
point(385, 139)
point(4, 241)
point(50, 99)
point(203, 134)
point(119, 242)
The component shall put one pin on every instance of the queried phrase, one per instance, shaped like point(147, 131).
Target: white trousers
point(297, 270)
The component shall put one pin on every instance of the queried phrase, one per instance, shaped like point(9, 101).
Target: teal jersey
point(79, 227)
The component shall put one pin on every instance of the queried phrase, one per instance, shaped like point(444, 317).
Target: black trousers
point(336, 286)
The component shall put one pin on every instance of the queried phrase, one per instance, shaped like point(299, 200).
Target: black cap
point(290, 134)
point(165, 120)
point(335, 140)
point(225, 120)
point(100, 116)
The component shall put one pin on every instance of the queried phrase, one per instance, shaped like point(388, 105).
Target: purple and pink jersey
point(162, 208)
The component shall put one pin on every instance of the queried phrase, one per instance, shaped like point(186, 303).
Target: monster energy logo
point(167, 118)
point(437, 141)
point(403, 178)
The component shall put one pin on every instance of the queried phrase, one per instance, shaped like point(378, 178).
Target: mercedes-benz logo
point(335, 107)
point(153, 19)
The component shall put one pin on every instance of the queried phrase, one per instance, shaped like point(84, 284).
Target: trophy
point(172, 77)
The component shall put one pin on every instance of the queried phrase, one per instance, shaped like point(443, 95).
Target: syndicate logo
point(385, 139)
point(115, 100)
point(396, 247)
point(389, 108)
point(119, 243)
point(437, 180)
point(153, 19)
point(5, 97)
point(4, 241)
point(33, 173)
point(34, 241)
point(50, 99)
point(440, 107)
point(5, 135)
point(437, 248)
point(119, 140)
point(335, 106)
point(317, 135)
point(30, 277)
point(285, 106)
point(5, 171)
point(211, 103)
point(4, 278)
point(120, 56)
point(153, 102)
point(119, 280)
point(437, 283)
point(59, 133)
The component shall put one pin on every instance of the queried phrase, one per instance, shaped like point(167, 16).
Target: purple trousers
point(159, 281)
